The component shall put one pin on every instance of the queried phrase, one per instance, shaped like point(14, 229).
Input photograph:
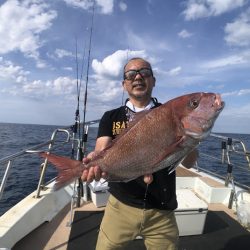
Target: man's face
point(141, 85)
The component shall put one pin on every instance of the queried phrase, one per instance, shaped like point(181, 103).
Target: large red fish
point(156, 139)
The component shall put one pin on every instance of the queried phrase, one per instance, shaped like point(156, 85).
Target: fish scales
point(140, 157)
point(159, 138)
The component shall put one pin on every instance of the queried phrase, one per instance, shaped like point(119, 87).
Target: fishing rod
point(79, 84)
point(81, 190)
point(85, 127)
point(87, 73)
point(82, 140)
point(76, 126)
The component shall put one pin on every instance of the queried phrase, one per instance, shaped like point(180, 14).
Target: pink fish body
point(156, 139)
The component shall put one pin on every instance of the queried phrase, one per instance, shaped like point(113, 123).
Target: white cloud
point(239, 92)
point(21, 23)
point(237, 112)
point(184, 34)
point(102, 90)
point(104, 85)
point(34, 87)
point(238, 32)
point(194, 10)
point(146, 42)
point(84, 4)
point(237, 59)
point(68, 68)
point(234, 118)
point(60, 53)
point(106, 6)
point(123, 6)
point(113, 64)
point(108, 74)
point(175, 71)
point(204, 8)
point(65, 87)
point(8, 70)
point(162, 73)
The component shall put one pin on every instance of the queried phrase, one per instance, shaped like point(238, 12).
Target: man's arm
point(102, 143)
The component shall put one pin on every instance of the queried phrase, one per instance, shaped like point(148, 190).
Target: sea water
point(25, 171)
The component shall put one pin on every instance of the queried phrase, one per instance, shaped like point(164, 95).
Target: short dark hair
point(137, 58)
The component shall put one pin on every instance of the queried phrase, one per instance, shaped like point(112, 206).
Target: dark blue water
point(25, 171)
point(212, 146)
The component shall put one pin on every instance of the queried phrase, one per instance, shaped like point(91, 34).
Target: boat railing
point(226, 154)
point(59, 137)
point(9, 160)
point(228, 148)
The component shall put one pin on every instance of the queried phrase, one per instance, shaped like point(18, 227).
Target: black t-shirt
point(161, 193)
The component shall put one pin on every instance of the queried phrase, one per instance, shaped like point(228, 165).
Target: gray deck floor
point(221, 230)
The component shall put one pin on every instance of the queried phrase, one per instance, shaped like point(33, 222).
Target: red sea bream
point(156, 139)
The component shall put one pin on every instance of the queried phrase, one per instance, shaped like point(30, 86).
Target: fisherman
point(144, 206)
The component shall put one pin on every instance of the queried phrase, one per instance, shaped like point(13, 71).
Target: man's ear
point(154, 81)
point(124, 85)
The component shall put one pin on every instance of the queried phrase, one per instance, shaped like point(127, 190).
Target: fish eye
point(194, 103)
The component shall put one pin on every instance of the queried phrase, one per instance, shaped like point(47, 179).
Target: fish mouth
point(196, 135)
point(222, 105)
point(218, 103)
point(219, 109)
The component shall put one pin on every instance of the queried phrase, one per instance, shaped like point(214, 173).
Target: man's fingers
point(91, 175)
point(84, 174)
point(148, 178)
point(85, 160)
point(104, 175)
point(97, 173)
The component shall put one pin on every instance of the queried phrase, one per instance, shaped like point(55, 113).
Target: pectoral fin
point(170, 149)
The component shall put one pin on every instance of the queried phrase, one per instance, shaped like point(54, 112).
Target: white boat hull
point(30, 213)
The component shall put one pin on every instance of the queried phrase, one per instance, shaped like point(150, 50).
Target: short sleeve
point(105, 125)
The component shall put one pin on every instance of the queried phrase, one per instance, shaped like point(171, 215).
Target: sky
point(193, 46)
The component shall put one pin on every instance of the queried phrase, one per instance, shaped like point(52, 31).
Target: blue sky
point(193, 45)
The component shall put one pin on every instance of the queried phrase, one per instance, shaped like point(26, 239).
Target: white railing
point(52, 144)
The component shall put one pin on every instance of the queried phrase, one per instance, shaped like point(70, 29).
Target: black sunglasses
point(131, 74)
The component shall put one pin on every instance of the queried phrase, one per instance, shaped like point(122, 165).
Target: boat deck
point(221, 229)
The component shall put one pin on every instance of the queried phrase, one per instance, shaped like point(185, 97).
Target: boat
point(213, 211)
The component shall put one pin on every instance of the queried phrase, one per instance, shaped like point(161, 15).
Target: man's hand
point(95, 173)
point(148, 178)
point(92, 173)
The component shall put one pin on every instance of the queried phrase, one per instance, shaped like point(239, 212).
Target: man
point(144, 206)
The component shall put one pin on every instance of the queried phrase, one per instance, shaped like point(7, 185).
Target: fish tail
point(68, 169)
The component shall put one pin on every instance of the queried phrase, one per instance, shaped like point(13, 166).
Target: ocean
point(25, 171)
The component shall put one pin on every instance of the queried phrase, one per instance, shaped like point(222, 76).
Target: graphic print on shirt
point(118, 126)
